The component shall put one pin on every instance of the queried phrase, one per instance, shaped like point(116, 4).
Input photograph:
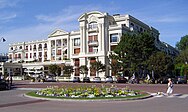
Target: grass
point(140, 96)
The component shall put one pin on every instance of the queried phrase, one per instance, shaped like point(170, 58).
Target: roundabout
point(88, 93)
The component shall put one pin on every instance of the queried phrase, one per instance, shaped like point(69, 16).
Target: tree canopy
point(98, 67)
point(67, 70)
point(161, 64)
point(134, 49)
point(183, 43)
point(54, 69)
point(182, 58)
point(84, 70)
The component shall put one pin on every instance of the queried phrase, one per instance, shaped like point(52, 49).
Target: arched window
point(30, 47)
point(34, 48)
point(45, 45)
point(92, 25)
point(132, 24)
point(40, 46)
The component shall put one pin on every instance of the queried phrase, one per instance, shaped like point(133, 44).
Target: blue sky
point(28, 20)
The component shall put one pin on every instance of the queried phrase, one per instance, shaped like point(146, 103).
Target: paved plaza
point(14, 101)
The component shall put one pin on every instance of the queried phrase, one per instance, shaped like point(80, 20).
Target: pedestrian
point(170, 87)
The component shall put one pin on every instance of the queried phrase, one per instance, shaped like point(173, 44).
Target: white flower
point(90, 96)
point(107, 96)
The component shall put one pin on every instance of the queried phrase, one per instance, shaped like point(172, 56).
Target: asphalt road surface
point(14, 101)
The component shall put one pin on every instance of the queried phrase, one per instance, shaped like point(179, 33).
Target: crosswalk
point(181, 96)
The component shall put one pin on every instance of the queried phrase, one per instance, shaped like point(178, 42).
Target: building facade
point(98, 35)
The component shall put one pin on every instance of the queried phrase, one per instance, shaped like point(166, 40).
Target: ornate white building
point(98, 34)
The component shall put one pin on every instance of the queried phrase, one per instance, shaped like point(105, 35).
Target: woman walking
point(170, 87)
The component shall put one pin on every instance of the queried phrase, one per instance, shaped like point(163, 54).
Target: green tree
point(84, 70)
point(161, 63)
point(182, 58)
point(134, 50)
point(183, 44)
point(98, 67)
point(115, 64)
point(68, 70)
point(182, 63)
point(54, 69)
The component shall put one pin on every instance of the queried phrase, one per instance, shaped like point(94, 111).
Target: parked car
point(97, 80)
point(3, 85)
point(109, 79)
point(50, 79)
point(164, 80)
point(86, 79)
point(76, 79)
point(121, 79)
point(181, 80)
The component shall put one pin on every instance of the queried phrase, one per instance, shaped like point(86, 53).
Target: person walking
point(170, 87)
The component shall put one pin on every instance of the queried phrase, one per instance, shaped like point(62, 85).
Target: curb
point(33, 89)
point(96, 100)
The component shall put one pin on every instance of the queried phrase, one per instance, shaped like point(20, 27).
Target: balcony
point(58, 54)
point(58, 45)
point(40, 56)
point(93, 43)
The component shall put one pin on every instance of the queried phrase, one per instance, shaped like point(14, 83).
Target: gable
point(57, 32)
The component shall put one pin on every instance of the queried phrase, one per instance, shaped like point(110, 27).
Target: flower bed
point(87, 92)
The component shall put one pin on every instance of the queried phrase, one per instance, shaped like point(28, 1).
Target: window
point(16, 55)
point(132, 24)
point(53, 52)
point(30, 55)
point(65, 52)
point(34, 48)
point(34, 56)
point(53, 43)
point(45, 54)
point(10, 56)
point(77, 42)
point(141, 29)
point(26, 55)
point(45, 45)
point(77, 51)
point(93, 49)
point(30, 47)
point(92, 38)
point(20, 47)
point(64, 42)
point(114, 37)
point(19, 55)
point(40, 46)
point(58, 43)
point(92, 25)
point(59, 52)
point(76, 62)
point(26, 47)
point(40, 54)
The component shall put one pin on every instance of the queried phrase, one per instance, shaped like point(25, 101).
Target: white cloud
point(171, 19)
point(6, 17)
point(8, 3)
point(66, 19)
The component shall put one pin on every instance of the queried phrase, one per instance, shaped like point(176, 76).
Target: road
point(178, 88)
point(14, 101)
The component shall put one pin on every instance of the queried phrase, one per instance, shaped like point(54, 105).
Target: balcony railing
point(93, 42)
